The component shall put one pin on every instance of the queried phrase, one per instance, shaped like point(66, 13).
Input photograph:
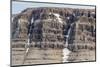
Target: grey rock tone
point(51, 27)
point(53, 35)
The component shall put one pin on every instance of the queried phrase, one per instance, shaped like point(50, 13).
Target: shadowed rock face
point(47, 26)
point(37, 33)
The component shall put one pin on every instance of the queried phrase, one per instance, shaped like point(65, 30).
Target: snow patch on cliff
point(65, 54)
point(57, 16)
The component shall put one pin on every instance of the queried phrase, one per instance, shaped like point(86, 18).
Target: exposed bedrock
point(55, 27)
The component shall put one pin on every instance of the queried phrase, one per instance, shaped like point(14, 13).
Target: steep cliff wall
point(52, 27)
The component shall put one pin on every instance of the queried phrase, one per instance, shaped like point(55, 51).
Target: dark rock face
point(47, 27)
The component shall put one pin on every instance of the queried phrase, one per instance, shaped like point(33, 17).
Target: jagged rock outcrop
point(85, 33)
point(46, 27)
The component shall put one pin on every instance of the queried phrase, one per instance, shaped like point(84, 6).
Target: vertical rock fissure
point(29, 40)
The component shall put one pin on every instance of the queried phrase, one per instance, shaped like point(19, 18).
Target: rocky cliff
point(54, 27)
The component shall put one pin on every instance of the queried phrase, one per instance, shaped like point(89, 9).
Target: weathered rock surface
point(53, 29)
point(47, 27)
